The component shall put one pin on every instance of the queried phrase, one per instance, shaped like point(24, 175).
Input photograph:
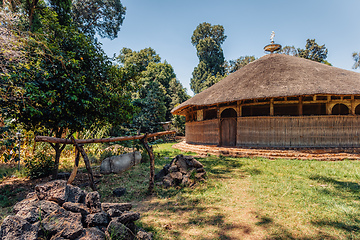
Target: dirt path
point(329, 154)
point(220, 215)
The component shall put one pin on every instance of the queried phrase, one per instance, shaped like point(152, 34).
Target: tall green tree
point(313, 51)
point(207, 39)
point(178, 95)
point(67, 83)
point(102, 17)
point(157, 90)
point(134, 63)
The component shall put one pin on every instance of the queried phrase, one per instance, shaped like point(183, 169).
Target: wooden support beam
point(86, 160)
point(101, 140)
point(76, 165)
point(79, 149)
point(152, 163)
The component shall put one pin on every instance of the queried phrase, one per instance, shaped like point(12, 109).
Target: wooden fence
point(280, 131)
point(302, 131)
point(204, 132)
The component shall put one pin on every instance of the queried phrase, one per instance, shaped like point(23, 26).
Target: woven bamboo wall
point(204, 132)
point(308, 131)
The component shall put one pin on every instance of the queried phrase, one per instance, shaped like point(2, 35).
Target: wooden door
point(228, 132)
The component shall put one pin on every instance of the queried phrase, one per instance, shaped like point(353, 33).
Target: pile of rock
point(59, 211)
point(182, 170)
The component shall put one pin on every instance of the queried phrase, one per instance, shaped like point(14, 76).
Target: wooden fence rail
point(78, 143)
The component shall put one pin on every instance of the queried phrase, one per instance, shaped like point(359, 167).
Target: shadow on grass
point(352, 187)
point(220, 166)
point(189, 215)
point(264, 221)
point(279, 232)
point(348, 191)
point(338, 224)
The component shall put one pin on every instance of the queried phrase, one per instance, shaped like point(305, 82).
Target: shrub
point(40, 165)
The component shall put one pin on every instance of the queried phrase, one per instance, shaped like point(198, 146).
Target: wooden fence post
point(152, 163)
point(76, 165)
point(87, 162)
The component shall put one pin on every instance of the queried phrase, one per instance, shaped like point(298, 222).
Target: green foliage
point(178, 123)
point(134, 63)
point(63, 10)
point(41, 165)
point(202, 78)
point(8, 149)
point(208, 39)
point(289, 50)
point(313, 51)
point(157, 89)
point(206, 30)
point(152, 105)
point(241, 62)
point(356, 57)
point(105, 154)
point(67, 82)
point(8, 196)
point(103, 17)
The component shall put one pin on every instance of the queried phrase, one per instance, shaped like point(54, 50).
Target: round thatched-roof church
point(277, 101)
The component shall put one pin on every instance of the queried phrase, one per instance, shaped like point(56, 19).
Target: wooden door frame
point(221, 129)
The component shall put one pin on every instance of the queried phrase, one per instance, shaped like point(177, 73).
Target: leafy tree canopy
point(158, 90)
point(91, 17)
point(312, 51)
point(206, 30)
point(241, 62)
point(207, 39)
point(103, 17)
point(133, 63)
point(66, 83)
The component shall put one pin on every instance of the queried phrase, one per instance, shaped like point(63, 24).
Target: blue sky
point(167, 26)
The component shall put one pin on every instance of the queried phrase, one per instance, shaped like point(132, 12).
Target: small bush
point(105, 154)
point(41, 165)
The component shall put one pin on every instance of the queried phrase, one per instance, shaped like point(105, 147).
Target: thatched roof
point(277, 75)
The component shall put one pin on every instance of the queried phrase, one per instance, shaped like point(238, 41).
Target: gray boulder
point(117, 230)
point(97, 219)
point(64, 223)
point(120, 163)
point(92, 201)
point(36, 211)
point(118, 206)
point(77, 207)
point(52, 191)
point(14, 227)
point(92, 234)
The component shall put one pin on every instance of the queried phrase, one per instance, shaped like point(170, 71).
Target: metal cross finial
point(272, 36)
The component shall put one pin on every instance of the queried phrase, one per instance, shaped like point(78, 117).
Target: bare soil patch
point(321, 154)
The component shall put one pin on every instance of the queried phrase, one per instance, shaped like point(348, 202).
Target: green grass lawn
point(245, 198)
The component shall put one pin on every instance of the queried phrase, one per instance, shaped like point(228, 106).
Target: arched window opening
point(357, 110)
point(256, 110)
point(210, 114)
point(340, 109)
point(314, 109)
point(286, 110)
point(228, 113)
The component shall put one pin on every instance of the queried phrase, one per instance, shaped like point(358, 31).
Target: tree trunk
point(58, 149)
